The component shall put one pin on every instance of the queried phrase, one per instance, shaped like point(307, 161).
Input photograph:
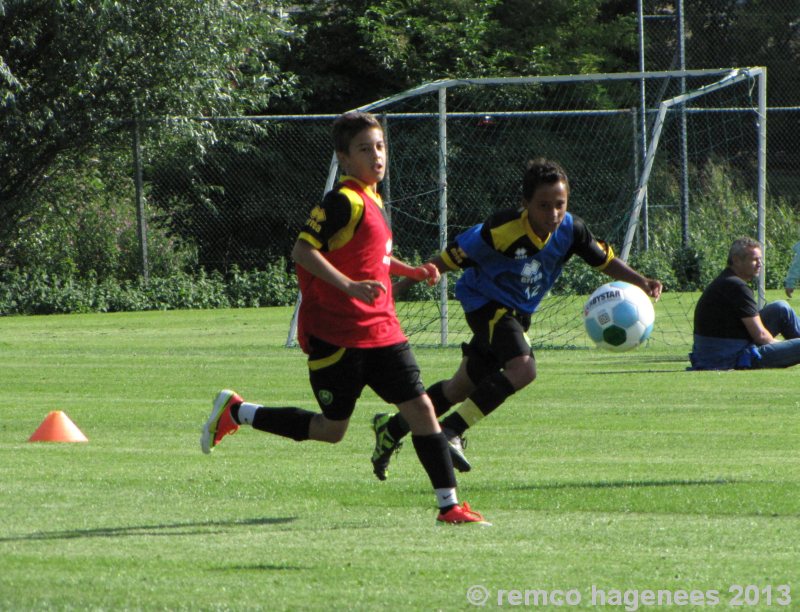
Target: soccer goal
point(646, 153)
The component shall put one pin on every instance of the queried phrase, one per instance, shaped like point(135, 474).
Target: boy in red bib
point(347, 324)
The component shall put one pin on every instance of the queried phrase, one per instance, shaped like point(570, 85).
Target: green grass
point(614, 471)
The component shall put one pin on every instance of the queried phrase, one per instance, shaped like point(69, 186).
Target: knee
point(327, 430)
point(521, 372)
point(529, 374)
point(332, 436)
point(783, 306)
point(416, 411)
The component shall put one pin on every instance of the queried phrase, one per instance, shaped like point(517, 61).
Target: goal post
point(458, 148)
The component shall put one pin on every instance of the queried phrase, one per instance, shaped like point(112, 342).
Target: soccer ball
point(618, 316)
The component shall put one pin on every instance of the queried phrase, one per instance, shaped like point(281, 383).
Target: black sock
point(434, 456)
point(398, 427)
point(490, 394)
point(287, 422)
point(455, 423)
point(440, 403)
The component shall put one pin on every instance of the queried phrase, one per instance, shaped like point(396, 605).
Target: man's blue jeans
point(780, 319)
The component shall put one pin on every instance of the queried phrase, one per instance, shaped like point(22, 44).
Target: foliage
point(721, 210)
point(756, 32)
point(352, 53)
point(36, 291)
point(565, 36)
point(273, 286)
point(71, 70)
point(85, 226)
point(235, 198)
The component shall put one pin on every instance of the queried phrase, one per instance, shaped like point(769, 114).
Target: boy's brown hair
point(347, 125)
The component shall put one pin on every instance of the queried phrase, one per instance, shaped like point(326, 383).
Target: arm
point(793, 273)
point(426, 272)
point(434, 267)
point(758, 332)
point(619, 270)
point(307, 256)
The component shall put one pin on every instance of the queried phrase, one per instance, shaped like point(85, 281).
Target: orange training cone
point(57, 427)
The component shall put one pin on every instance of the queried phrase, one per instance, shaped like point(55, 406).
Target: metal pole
point(386, 184)
point(141, 220)
point(762, 177)
point(643, 124)
point(636, 170)
point(683, 133)
point(443, 208)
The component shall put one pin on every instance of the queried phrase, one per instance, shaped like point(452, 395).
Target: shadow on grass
point(259, 567)
point(140, 530)
point(625, 484)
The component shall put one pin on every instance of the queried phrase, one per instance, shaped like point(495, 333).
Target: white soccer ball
point(619, 316)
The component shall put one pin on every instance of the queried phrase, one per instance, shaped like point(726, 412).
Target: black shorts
point(499, 334)
point(338, 375)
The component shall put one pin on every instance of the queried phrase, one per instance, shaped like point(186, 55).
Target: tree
point(354, 52)
point(541, 37)
point(72, 70)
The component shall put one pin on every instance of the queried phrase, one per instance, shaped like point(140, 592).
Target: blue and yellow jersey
point(506, 262)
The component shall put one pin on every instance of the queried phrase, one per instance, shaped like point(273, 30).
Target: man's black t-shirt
point(723, 305)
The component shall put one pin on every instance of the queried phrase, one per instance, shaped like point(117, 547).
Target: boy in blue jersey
point(510, 262)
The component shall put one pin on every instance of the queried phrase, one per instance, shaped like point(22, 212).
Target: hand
point(366, 291)
point(789, 291)
point(653, 288)
point(427, 272)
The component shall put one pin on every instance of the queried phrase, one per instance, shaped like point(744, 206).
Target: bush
point(274, 286)
point(36, 291)
point(85, 226)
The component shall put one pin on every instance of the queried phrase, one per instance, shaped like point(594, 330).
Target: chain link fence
point(721, 33)
point(457, 153)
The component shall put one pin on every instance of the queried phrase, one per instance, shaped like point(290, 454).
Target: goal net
point(645, 153)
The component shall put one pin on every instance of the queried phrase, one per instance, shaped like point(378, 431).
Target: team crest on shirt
point(521, 253)
point(531, 277)
point(325, 397)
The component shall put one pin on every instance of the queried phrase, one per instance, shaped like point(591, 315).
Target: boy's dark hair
point(541, 171)
point(347, 125)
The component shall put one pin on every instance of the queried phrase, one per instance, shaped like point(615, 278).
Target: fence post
point(141, 220)
point(443, 210)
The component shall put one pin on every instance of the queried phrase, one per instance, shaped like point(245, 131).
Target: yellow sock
point(469, 412)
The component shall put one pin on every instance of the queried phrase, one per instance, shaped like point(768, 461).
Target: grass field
point(609, 476)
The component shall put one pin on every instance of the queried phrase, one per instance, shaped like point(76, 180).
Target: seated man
point(729, 330)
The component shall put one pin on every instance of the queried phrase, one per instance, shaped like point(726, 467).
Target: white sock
point(446, 497)
point(247, 413)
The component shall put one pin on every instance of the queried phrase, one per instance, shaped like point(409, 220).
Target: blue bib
point(516, 283)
